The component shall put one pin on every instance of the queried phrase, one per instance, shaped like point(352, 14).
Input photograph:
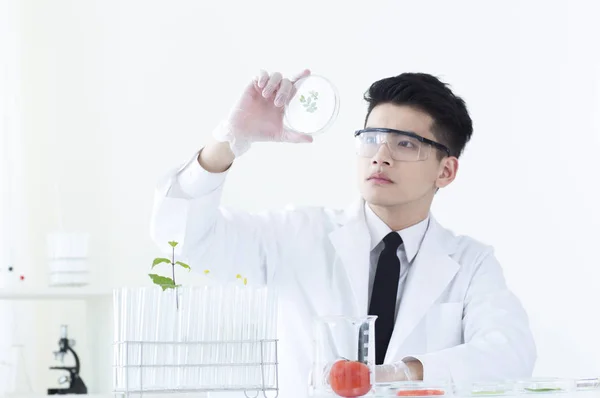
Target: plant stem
point(175, 288)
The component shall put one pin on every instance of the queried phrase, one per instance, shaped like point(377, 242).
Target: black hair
point(452, 125)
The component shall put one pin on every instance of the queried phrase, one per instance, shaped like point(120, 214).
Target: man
point(444, 310)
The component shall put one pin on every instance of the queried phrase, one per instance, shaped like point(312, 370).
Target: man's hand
point(257, 116)
point(399, 371)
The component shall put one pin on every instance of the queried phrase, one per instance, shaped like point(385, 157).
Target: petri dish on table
point(588, 384)
point(314, 106)
point(587, 388)
point(412, 389)
point(544, 386)
point(484, 389)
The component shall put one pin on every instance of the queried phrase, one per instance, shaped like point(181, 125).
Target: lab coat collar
point(433, 269)
point(354, 216)
point(411, 236)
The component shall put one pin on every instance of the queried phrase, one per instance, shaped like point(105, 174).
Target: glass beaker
point(344, 356)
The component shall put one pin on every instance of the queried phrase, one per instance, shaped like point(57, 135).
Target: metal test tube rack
point(133, 373)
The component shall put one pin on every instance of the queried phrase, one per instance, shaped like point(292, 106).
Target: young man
point(444, 310)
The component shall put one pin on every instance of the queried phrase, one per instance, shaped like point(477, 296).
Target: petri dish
point(314, 106)
point(587, 388)
point(545, 386)
point(412, 389)
point(588, 384)
point(484, 389)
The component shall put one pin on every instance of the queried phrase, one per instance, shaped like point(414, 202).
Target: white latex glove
point(397, 371)
point(258, 114)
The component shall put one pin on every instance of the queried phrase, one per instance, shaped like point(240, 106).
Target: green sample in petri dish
point(543, 389)
point(485, 389)
point(546, 386)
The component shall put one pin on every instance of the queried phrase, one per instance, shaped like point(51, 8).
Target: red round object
point(22, 277)
point(350, 378)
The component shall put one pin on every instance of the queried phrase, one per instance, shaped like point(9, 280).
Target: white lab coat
point(456, 316)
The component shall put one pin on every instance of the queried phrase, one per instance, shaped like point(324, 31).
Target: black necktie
point(384, 293)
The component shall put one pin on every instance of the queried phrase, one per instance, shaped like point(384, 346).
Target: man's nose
point(383, 155)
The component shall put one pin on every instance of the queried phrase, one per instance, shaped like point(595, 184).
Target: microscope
point(76, 384)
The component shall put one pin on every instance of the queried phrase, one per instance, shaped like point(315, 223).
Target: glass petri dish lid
point(314, 107)
point(412, 389)
point(544, 386)
point(485, 389)
point(588, 384)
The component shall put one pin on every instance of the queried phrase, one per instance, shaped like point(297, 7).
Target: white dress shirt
point(411, 242)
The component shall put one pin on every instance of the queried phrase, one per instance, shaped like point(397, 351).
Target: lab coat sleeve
point(187, 210)
point(498, 341)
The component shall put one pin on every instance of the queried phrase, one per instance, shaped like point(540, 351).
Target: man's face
point(409, 181)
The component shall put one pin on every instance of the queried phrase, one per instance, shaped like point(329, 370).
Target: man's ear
point(447, 171)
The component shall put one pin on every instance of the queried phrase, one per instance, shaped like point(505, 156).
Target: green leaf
point(162, 281)
point(160, 260)
point(173, 243)
point(302, 99)
point(184, 265)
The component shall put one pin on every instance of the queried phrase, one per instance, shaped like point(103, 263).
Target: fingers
point(284, 92)
point(275, 83)
point(262, 78)
point(295, 84)
point(301, 75)
point(272, 85)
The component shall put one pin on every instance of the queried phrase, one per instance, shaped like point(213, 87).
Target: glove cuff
point(401, 371)
point(224, 133)
point(397, 371)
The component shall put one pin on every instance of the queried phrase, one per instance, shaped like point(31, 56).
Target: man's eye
point(406, 144)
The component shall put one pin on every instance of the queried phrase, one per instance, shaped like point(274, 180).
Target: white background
point(117, 92)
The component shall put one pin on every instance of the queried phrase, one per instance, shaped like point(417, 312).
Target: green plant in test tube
point(164, 281)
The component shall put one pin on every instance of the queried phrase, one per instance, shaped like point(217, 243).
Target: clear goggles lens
point(402, 147)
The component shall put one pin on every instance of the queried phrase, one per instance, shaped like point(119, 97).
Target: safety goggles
point(403, 145)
